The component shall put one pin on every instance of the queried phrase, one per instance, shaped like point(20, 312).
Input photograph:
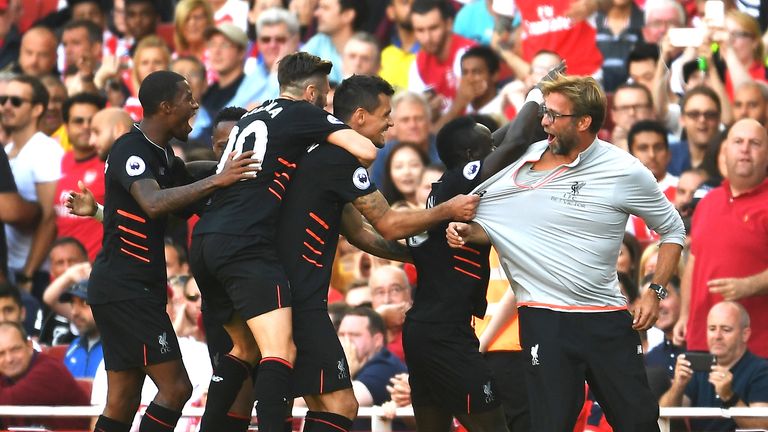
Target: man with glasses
point(632, 102)
point(391, 298)
point(371, 365)
point(80, 164)
point(701, 109)
point(660, 16)
point(278, 36)
point(556, 216)
point(36, 164)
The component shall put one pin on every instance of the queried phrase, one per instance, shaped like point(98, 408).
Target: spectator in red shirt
point(31, 378)
point(437, 68)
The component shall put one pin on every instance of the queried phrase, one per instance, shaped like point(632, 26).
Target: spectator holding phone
point(738, 379)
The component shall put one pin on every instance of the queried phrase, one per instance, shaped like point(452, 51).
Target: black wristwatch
point(661, 292)
point(21, 278)
point(731, 402)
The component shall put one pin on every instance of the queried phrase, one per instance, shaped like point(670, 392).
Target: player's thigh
point(273, 333)
point(244, 343)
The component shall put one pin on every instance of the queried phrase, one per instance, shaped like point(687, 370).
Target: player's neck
point(155, 131)
point(291, 96)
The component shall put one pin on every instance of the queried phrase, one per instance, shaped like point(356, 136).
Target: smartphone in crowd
point(701, 361)
point(686, 37)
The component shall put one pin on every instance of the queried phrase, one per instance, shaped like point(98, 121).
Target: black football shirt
point(131, 263)
point(279, 133)
point(328, 178)
point(452, 283)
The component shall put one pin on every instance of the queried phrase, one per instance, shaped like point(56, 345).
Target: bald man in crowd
point(37, 56)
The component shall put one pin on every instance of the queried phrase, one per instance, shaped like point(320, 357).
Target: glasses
point(628, 108)
point(708, 115)
point(740, 35)
point(552, 115)
point(658, 24)
point(276, 39)
point(15, 101)
point(393, 289)
point(192, 297)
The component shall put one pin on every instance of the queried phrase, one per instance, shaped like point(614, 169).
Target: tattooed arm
point(352, 228)
point(397, 224)
point(157, 202)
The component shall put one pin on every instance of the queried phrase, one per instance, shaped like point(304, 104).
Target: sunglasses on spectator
point(15, 101)
point(708, 115)
point(276, 39)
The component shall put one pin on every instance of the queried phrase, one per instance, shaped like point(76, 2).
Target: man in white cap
point(227, 45)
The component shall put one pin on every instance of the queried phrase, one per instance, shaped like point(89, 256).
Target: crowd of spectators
point(693, 110)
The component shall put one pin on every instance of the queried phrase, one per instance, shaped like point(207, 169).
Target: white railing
point(375, 413)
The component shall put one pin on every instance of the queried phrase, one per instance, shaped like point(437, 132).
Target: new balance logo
point(216, 378)
point(535, 355)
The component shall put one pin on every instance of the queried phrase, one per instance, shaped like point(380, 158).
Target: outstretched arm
point(512, 140)
point(352, 228)
point(397, 224)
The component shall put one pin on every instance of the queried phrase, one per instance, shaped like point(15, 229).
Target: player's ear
point(359, 116)
point(310, 91)
point(166, 107)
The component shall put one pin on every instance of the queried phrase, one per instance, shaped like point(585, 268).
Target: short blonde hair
point(585, 94)
point(146, 43)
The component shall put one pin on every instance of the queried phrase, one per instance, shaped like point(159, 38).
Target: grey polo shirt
point(558, 237)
